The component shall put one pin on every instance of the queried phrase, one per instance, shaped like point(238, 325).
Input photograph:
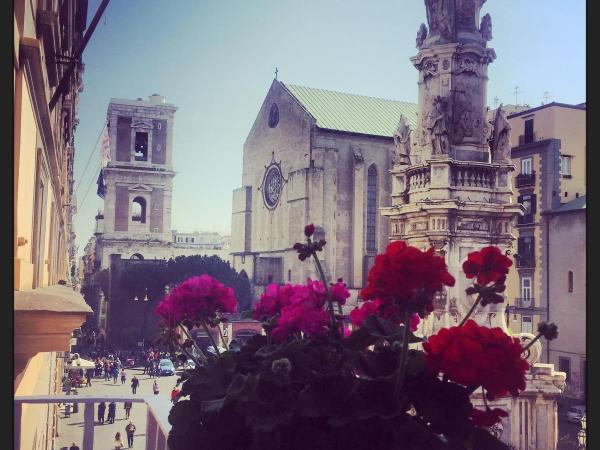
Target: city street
point(71, 429)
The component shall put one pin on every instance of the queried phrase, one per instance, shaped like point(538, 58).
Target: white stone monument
point(453, 191)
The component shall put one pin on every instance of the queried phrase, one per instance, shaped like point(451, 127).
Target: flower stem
point(329, 301)
point(211, 338)
point(470, 311)
point(184, 329)
point(401, 373)
point(531, 342)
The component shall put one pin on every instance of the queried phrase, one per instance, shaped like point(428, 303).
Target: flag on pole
point(101, 185)
point(105, 147)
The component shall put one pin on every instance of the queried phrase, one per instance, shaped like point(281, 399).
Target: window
point(529, 137)
point(526, 166)
point(371, 207)
point(138, 210)
point(526, 292)
point(141, 146)
point(570, 280)
point(529, 203)
point(565, 165)
point(39, 221)
point(526, 324)
point(564, 365)
point(156, 230)
point(526, 251)
point(187, 239)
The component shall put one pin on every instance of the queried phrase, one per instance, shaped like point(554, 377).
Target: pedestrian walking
point(74, 447)
point(118, 441)
point(130, 430)
point(101, 411)
point(127, 405)
point(155, 387)
point(67, 410)
point(115, 374)
point(174, 394)
point(106, 371)
point(89, 375)
point(151, 371)
point(134, 384)
point(123, 376)
point(112, 409)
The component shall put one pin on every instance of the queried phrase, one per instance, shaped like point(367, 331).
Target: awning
point(80, 364)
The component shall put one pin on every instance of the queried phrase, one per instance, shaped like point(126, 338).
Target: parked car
point(189, 365)
point(576, 413)
point(166, 367)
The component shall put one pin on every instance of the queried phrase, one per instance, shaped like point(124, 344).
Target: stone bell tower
point(452, 187)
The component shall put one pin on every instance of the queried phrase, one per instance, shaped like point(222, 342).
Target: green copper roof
point(354, 113)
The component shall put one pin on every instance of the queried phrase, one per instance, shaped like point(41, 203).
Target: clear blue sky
point(215, 60)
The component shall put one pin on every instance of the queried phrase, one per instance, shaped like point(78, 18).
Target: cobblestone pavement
point(71, 429)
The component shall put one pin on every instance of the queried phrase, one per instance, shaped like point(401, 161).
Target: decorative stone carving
point(439, 127)
point(421, 35)
point(533, 353)
point(500, 145)
point(473, 225)
point(467, 64)
point(440, 17)
point(358, 156)
point(486, 27)
point(402, 141)
point(466, 13)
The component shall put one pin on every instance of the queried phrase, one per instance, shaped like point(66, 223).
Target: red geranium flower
point(487, 418)
point(197, 298)
point(479, 356)
point(407, 277)
point(488, 265)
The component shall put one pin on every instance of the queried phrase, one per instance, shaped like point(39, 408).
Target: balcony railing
point(526, 219)
point(525, 261)
point(524, 305)
point(525, 179)
point(157, 423)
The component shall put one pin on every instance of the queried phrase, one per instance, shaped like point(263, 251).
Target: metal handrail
point(157, 425)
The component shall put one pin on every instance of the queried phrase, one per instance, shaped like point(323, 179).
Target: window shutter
point(533, 203)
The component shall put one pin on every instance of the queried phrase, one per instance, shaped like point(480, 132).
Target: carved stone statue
point(439, 126)
point(421, 35)
point(402, 141)
point(486, 27)
point(500, 145)
point(440, 16)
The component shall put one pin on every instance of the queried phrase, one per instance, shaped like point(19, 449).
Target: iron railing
point(525, 179)
point(157, 423)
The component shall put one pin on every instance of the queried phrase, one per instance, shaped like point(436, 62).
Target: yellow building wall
point(39, 379)
point(25, 161)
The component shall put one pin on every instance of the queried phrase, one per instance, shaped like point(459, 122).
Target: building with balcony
point(48, 37)
point(549, 153)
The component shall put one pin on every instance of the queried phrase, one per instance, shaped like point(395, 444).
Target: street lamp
point(582, 435)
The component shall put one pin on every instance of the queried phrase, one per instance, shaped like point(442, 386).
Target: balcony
point(531, 139)
point(525, 261)
point(157, 423)
point(527, 219)
point(525, 179)
point(524, 306)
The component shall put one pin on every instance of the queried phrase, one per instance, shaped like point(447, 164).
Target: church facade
point(322, 157)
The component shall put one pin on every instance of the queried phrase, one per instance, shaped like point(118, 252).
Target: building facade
point(549, 152)
point(46, 309)
point(322, 157)
point(566, 230)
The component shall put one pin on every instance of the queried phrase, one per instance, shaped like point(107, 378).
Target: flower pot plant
point(312, 383)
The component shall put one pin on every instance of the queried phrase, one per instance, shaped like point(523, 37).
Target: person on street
point(74, 447)
point(89, 375)
point(123, 376)
point(115, 374)
point(101, 410)
point(106, 371)
point(67, 410)
point(118, 442)
point(127, 406)
point(134, 384)
point(130, 430)
point(174, 394)
point(155, 387)
point(151, 371)
point(112, 409)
